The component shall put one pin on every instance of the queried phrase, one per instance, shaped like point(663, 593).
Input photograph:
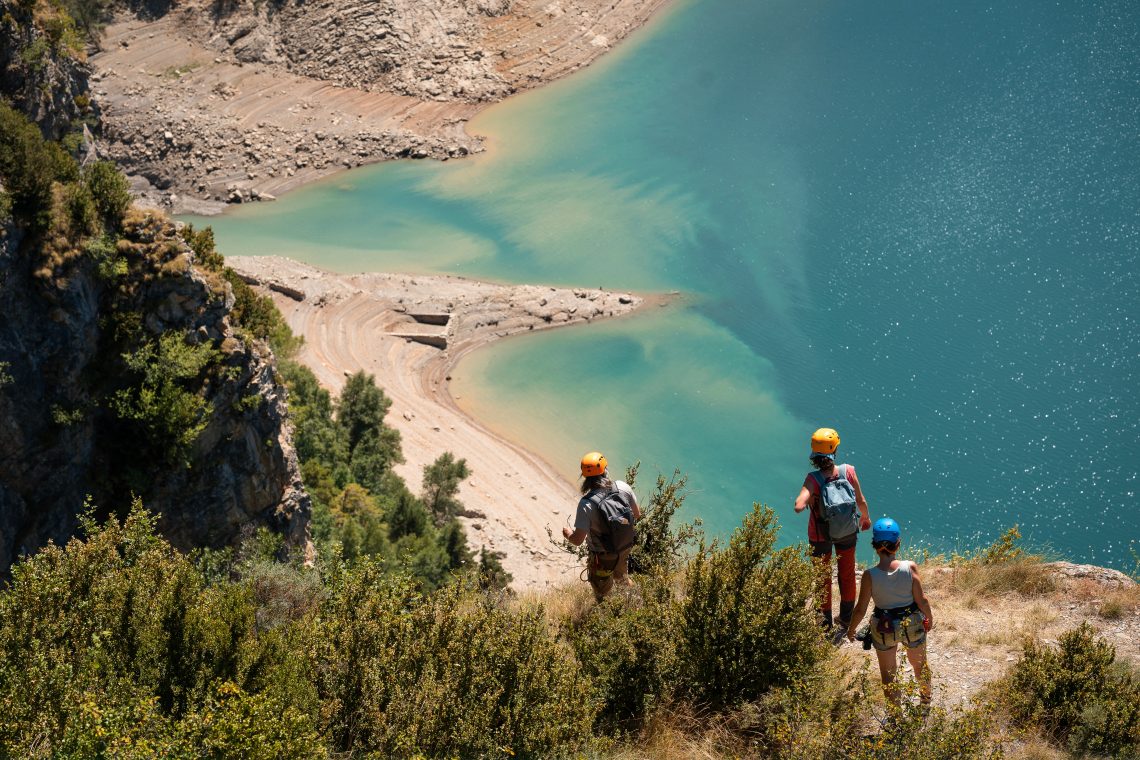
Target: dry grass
point(568, 602)
point(1110, 604)
point(1034, 748)
point(677, 734)
point(1024, 576)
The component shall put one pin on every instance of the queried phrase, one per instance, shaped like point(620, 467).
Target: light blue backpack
point(837, 504)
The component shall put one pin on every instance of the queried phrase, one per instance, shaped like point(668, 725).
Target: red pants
point(821, 551)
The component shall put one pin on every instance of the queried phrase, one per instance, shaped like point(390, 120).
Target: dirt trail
point(977, 637)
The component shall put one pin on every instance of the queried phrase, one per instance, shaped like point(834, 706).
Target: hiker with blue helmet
point(902, 613)
point(838, 512)
point(604, 519)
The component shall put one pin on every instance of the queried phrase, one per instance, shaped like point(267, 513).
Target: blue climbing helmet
point(885, 529)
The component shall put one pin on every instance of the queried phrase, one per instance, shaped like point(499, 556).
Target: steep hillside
point(43, 66)
point(122, 372)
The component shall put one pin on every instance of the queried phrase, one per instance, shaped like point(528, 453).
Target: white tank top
point(893, 589)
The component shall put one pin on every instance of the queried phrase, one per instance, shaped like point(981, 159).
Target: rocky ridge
point(57, 439)
point(43, 67)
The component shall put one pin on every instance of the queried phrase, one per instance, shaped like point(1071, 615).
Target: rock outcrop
point(60, 437)
point(430, 51)
point(43, 67)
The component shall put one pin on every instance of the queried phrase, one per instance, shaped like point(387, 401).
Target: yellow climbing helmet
point(824, 441)
point(593, 464)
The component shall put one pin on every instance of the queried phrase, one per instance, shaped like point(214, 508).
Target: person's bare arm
point(919, 596)
point(636, 509)
point(803, 499)
point(575, 537)
point(860, 606)
point(864, 511)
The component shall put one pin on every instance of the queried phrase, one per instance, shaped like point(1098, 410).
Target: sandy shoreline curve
point(409, 331)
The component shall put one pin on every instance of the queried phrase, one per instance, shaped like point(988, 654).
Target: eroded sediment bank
point(211, 104)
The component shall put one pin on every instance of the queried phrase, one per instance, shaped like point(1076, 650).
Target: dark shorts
point(823, 548)
point(603, 569)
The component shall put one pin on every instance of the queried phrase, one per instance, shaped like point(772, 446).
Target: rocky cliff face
point(43, 67)
point(60, 439)
point(430, 51)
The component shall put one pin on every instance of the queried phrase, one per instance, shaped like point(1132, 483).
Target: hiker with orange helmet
point(604, 519)
point(902, 613)
point(838, 512)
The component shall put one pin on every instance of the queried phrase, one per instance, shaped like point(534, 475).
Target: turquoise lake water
point(914, 222)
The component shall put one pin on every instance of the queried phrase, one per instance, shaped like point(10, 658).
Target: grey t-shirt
point(588, 519)
point(892, 590)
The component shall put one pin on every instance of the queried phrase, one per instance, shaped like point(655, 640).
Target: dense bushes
point(1079, 693)
point(735, 629)
point(29, 168)
point(119, 637)
point(118, 646)
point(744, 628)
point(456, 673)
point(163, 398)
point(361, 508)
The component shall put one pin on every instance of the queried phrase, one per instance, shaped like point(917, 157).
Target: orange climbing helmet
point(824, 441)
point(593, 464)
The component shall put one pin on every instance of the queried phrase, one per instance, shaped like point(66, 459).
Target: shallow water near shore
point(916, 224)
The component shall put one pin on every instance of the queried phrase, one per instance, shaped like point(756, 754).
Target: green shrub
point(29, 167)
point(110, 193)
point(162, 398)
point(234, 724)
point(360, 411)
point(914, 733)
point(109, 263)
point(1077, 693)
point(455, 674)
point(122, 616)
point(441, 484)
point(660, 547)
point(627, 646)
point(201, 242)
point(79, 217)
point(745, 627)
point(492, 575)
point(259, 315)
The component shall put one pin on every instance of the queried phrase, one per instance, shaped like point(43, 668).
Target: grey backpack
point(615, 512)
point(837, 505)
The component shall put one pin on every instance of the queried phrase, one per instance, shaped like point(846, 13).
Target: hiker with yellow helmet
point(604, 519)
point(838, 512)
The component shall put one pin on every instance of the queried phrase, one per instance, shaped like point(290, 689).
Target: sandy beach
point(409, 331)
